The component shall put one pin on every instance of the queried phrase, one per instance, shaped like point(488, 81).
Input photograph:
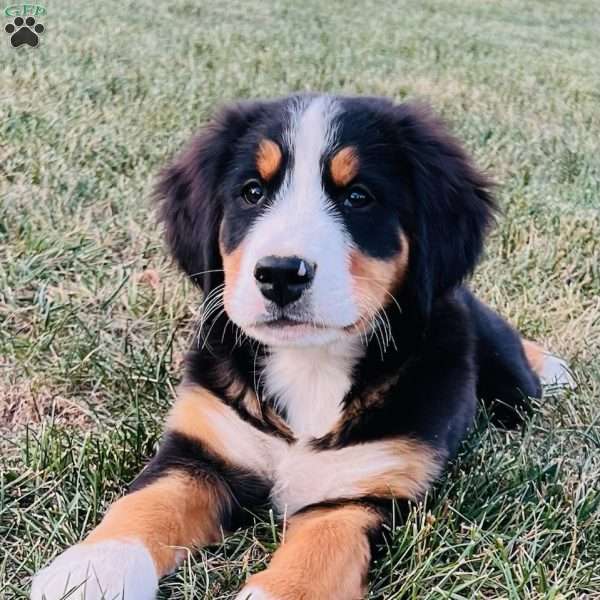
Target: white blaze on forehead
point(301, 206)
point(311, 134)
point(300, 222)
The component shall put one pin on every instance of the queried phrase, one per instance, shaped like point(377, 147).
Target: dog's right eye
point(253, 192)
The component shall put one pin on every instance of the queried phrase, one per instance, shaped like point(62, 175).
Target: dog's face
point(311, 214)
point(304, 196)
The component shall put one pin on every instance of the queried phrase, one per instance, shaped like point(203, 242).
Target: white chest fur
point(309, 384)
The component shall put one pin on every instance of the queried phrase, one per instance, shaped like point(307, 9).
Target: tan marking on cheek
point(535, 355)
point(268, 159)
point(374, 280)
point(325, 556)
point(344, 166)
point(231, 266)
point(173, 513)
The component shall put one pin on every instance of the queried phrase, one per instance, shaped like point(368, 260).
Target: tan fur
point(265, 414)
point(410, 479)
point(535, 355)
point(251, 403)
point(191, 416)
point(231, 267)
point(344, 166)
point(174, 513)
point(201, 416)
point(374, 279)
point(276, 421)
point(268, 159)
point(325, 556)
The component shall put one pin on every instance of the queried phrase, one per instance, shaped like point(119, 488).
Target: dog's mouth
point(284, 322)
point(296, 317)
point(295, 331)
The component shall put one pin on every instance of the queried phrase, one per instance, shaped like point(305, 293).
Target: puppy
point(339, 360)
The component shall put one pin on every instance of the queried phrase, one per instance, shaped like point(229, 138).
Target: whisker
point(212, 302)
point(206, 345)
point(380, 320)
point(367, 307)
point(209, 271)
point(385, 290)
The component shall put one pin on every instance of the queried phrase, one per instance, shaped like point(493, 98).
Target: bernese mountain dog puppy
point(340, 358)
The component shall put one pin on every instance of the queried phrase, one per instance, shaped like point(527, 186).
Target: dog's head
point(315, 212)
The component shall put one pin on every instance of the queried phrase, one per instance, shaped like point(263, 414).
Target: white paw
point(253, 592)
point(115, 570)
point(556, 373)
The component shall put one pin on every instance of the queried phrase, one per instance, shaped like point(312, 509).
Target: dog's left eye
point(356, 198)
point(253, 192)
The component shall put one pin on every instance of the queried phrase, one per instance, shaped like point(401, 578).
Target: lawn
point(94, 318)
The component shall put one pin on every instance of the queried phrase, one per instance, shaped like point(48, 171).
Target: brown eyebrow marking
point(268, 159)
point(344, 166)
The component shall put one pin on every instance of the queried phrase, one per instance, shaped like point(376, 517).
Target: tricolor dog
point(340, 358)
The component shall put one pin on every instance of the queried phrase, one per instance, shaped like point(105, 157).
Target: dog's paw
point(114, 570)
point(555, 373)
point(253, 592)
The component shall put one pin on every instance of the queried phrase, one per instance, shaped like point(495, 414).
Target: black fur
point(504, 379)
point(240, 490)
point(204, 182)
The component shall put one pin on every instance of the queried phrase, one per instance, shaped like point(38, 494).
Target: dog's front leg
point(142, 537)
point(325, 556)
point(189, 492)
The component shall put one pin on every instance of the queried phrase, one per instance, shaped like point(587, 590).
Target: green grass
point(90, 350)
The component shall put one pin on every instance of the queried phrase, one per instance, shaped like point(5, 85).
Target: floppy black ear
point(190, 199)
point(453, 207)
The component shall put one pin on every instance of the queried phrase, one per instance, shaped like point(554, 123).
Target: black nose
point(282, 279)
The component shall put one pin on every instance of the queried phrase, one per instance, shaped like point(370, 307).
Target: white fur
point(556, 373)
point(300, 222)
point(112, 570)
point(309, 384)
point(305, 477)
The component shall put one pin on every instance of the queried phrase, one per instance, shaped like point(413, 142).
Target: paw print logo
point(24, 32)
